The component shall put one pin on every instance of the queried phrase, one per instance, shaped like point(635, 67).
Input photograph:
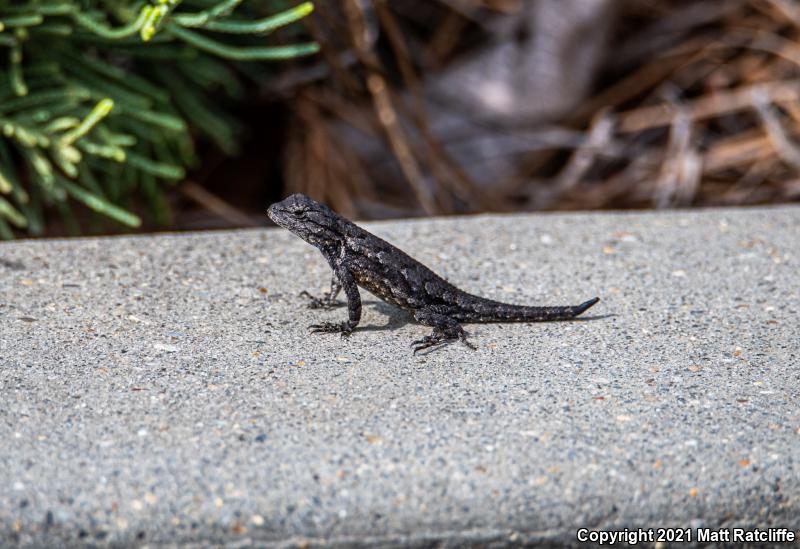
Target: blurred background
point(121, 116)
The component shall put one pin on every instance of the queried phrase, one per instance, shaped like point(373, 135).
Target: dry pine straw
point(709, 117)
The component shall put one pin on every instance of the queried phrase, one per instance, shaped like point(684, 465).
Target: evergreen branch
point(100, 111)
point(5, 231)
point(202, 18)
point(19, 194)
point(101, 29)
point(241, 54)
point(262, 26)
point(100, 205)
point(12, 214)
point(110, 152)
point(15, 70)
point(20, 21)
point(158, 169)
point(100, 99)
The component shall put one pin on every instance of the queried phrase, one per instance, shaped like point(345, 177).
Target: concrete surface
point(158, 390)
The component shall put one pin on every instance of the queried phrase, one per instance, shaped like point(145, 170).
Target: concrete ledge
point(164, 389)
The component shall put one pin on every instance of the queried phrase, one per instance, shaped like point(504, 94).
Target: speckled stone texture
point(158, 390)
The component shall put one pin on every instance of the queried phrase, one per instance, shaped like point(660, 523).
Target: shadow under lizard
point(359, 258)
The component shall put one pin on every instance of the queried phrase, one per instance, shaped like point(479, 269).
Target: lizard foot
point(342, 328)
point(440, 337)
point(427, 342)
point(445, 330)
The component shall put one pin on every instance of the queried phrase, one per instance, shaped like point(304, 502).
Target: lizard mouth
point(277, 214)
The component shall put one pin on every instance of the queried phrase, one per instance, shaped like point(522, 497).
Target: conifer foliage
point(99, 99)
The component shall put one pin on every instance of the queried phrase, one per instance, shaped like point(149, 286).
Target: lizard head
point(315, 223)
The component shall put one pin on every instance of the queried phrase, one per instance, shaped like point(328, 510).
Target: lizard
point(359, 258)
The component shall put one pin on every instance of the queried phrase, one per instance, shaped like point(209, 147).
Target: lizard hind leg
point(445, 330)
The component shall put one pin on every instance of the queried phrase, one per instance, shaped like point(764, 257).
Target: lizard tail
point(585, 305)
point(544, 314)
point(494, 311)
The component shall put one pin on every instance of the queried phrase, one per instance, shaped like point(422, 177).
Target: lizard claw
point(318, 328)
point(425, 343)
point(325, 327)
point(342, 328)
point(440, 339)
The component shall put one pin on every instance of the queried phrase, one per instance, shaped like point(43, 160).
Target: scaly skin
point(359, 258)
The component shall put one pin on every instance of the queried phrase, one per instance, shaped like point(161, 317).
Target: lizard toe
point(323, 328)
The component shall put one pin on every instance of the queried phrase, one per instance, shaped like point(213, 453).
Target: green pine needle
point(100, 99)
point(100, 205)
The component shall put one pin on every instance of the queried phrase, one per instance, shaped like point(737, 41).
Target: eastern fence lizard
point(359, 258)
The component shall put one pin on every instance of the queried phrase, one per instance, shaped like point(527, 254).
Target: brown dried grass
point(696, 105)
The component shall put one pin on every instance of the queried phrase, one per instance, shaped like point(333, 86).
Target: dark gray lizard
point(359, 258)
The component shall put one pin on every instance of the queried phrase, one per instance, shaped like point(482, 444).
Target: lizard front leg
point(348, 283)
point(327, 301)
point(445, 329)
